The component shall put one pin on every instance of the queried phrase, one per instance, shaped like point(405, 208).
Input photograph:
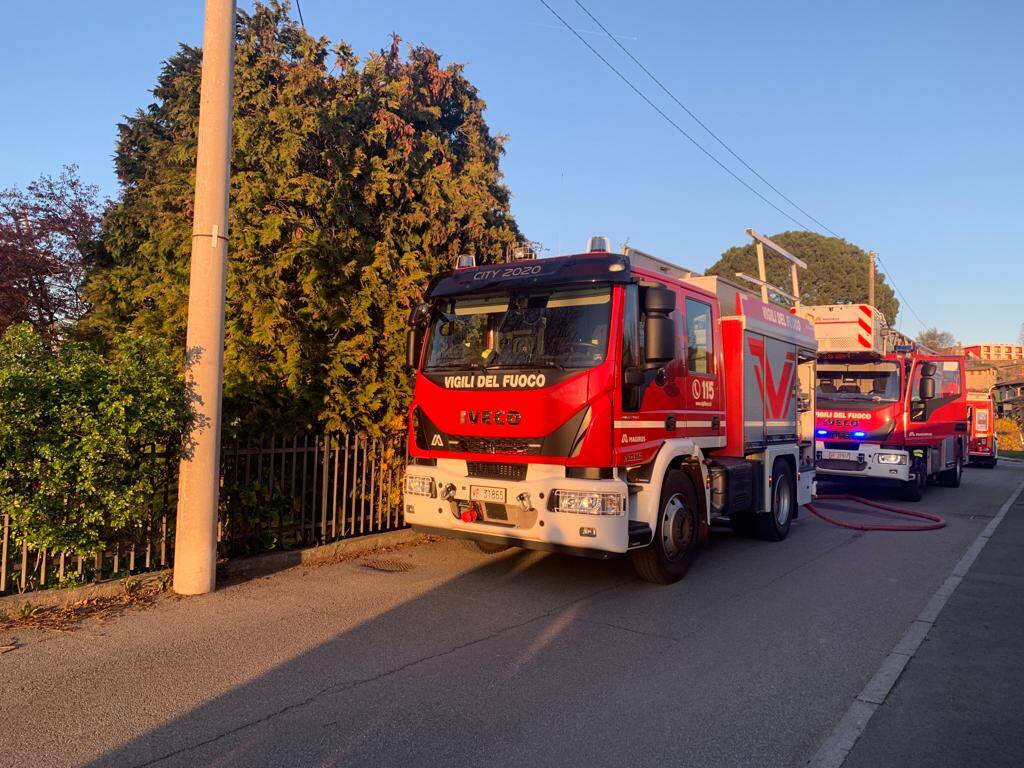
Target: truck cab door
point(651, 392)
point(702, 390)
point(949, 404)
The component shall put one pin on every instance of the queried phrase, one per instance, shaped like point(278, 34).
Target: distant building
point(1009, 396)
point(995, 352)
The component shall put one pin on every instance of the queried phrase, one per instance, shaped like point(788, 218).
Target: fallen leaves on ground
point(66, 617)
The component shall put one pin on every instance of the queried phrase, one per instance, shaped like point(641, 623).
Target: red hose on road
point(936, 521)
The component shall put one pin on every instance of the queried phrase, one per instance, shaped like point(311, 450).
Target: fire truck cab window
point(699, 337)
point(631, 329)
point(873, 382)
point(553, 328)
point(949, 380)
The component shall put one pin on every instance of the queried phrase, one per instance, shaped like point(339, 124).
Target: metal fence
point(277, 492)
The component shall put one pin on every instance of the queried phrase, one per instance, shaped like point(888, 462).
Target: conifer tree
point(352, 182)
point(836, 271)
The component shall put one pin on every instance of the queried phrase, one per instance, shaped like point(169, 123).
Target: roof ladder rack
point(760, 241)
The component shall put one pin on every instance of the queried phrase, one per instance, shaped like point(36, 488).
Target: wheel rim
point(783, 501)
point(676, 528)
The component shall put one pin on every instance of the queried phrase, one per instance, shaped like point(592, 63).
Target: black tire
point(484, 547)
point(774, 525)
point(913, 489)
point(950, 478)
point(667, 558)
point(992, 464)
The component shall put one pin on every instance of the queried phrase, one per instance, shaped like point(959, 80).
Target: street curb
point(834, 749)
point(248, 567)
point(46, 598)
point(273, 562)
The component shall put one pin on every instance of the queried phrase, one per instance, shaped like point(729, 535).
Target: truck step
point(640, 534)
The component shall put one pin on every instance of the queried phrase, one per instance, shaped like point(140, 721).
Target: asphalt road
point(461, 659)
point(960, 701)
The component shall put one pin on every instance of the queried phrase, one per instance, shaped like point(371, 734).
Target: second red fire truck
point(983, 449)
point(606, 403)
point(885, 409)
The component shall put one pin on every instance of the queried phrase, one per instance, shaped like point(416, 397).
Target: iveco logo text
point(500, 418)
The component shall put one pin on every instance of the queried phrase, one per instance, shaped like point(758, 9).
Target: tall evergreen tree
point(351, 183)
point(836, 270)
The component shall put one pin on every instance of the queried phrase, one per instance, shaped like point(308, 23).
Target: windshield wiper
point(456, 367)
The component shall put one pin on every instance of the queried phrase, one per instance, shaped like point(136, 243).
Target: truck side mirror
point(659, 328)
point(418, 318)
point(926, 390)
point(412, 348)
point(660, 340)
point(659, 301)
point(632, 377)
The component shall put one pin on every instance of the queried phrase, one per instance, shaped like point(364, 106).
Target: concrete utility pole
point(195, 541)
point(871, 278)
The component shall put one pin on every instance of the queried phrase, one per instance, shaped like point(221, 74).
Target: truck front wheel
point(913, 489)
point(951, 477)
point(483, 547)
point(666, 559)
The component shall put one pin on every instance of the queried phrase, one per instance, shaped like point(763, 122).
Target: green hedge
point(83, 438)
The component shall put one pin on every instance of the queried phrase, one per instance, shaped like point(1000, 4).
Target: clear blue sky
point(898, 124)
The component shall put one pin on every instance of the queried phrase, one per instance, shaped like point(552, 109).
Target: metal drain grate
point(388, 565)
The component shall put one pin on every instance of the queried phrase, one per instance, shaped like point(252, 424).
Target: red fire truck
point(983, 449)
point(885, 409)
point(600, 404)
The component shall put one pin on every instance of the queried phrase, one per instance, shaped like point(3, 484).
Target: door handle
point(670, 422)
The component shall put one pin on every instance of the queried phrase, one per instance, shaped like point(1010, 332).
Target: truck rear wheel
point(774, 525)
point(913, 489)
point(666, 559)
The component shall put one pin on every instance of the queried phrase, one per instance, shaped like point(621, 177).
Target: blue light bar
point(822, 432)
point(859, 433)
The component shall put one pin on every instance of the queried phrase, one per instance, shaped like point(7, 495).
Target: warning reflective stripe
point(769, 423)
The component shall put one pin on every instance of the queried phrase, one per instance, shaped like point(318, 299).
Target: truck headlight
point(891, 458)
point(417, 485)
point(589, 502)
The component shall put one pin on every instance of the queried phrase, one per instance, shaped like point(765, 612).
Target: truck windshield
point(557, 328)
point(876, 382)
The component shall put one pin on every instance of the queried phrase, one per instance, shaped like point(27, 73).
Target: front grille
point(515, 446)
point(847, 465)
point(491, 471)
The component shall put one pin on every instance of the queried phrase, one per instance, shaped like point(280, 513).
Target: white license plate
point(487, 493)
point(841, 455)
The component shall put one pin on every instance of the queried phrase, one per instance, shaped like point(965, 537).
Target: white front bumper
point(539, 524)
point(863, 462)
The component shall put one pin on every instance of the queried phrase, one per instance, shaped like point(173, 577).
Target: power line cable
point(298, 7)
point(668, 119)
point(899, 293)
point(697, 120)
point(715, 136)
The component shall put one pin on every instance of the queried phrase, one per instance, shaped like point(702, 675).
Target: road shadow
point(470, 672)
